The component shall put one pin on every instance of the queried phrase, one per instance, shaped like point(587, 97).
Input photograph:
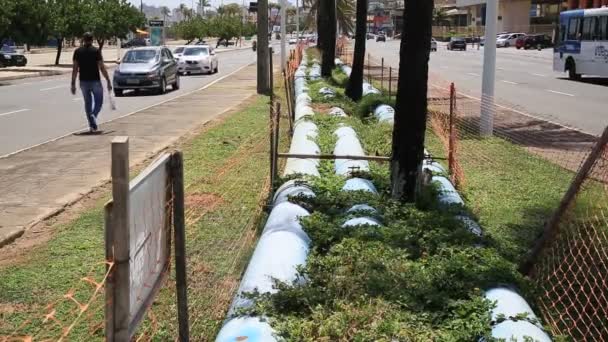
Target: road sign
point(157, 34)
point(156, 23)
point(253, 7)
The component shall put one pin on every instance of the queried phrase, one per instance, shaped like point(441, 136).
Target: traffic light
point(253, 7)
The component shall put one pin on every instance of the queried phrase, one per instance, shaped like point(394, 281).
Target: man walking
point(88, 61)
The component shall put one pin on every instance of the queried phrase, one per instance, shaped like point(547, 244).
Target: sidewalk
point(40, 182)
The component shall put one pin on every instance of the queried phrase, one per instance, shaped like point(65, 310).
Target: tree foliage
point(112, 18)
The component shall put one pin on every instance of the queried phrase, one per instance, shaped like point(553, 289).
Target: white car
point(198, 59)
point(293, 41)
point(433, 44)
point(508, 39)
point(178, 51)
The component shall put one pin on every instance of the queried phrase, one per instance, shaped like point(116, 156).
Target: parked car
point(10, 57)
point(135, 42)
point(293, 41)
point(457, 43)
point(507, 40)
point(381, 38)
point(146, 68)
point(433, 44)
point(371, 36)
point(178, 51)
point(223, 42)
point(198, 59)
point(534, 41)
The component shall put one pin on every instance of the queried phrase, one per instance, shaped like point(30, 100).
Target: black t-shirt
point(87, 58)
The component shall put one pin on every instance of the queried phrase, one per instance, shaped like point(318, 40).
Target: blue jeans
point(93, 100)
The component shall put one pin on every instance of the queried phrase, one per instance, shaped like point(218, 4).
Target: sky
point(176, 3)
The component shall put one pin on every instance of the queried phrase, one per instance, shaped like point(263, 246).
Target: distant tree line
point(34, 22)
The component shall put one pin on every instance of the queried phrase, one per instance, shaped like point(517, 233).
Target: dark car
point(135, 42)
point(534, 41)
point(370, 36)
point(457, 43)
point(381, 38)
point(10, 57)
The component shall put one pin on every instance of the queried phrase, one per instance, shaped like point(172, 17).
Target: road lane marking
point(509, 82)
point(136, 111)
point(472, 74)
point(55, 87)
point(559, 92)
point(14, 112)
point(539, 75)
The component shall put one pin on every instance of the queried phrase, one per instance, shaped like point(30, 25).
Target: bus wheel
point(571, 66)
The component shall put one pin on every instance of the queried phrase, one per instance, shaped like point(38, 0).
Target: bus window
point(588, 28)
point(573, 29)
point(603, 28)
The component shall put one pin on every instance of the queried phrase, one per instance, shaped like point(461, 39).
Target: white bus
point(581, 46)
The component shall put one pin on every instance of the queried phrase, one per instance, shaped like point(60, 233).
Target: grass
point(226, 177)
point(510, 190)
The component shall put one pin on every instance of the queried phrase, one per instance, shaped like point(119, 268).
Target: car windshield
point(196, 52)
point(178, 50)
point(141, 56)
point(8, 49)
point(503, 36)
point(458, 39)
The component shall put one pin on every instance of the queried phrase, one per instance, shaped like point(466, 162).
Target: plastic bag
point(112, 100)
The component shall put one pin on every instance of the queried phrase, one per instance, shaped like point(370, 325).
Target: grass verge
point(226, 176)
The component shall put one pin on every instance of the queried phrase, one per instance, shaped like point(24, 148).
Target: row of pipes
point(284, 246)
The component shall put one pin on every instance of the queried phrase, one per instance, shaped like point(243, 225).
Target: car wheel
point(518, 47)
point(163, 86)
point(175, 85)
point(507, 45)
point(118, 92)
point(217, 68)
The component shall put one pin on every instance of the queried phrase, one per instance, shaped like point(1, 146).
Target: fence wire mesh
point(513, 181)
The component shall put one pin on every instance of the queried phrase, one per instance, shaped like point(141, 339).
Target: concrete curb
point(11, 235)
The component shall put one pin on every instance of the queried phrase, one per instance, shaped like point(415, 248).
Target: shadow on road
point(589, 80)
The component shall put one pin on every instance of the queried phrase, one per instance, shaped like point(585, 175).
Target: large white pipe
point(509, 304)
point(292, 188)
point(250, 329)
point(349, 146)
point(385, 113)
point(489, 69)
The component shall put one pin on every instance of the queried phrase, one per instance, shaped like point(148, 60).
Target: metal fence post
point(179, 235)
point(275, 148)
point(552, 226)
point(369, 66)
point(271, 71)
point(271, 149)
point(382, 75)
point(120, 236)
point(390, 81)
point(451, 132)
point(109, 288)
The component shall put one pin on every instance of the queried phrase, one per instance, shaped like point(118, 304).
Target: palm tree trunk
point(320, 24)
point(354, 89)
point(329, 44)
point(263, 79)
point(411, 107)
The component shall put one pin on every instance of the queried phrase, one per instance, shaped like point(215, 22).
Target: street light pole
point(489, 70)
point(297, 20)
point(283, 34)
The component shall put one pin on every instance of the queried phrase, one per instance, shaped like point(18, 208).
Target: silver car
point(198, 59)
point(149, 68)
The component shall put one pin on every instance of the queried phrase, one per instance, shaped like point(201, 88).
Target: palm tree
point(328, 27)
point(185, 11)
point(345, 10)
point(354, 89)
point(411, 106)
point(202, 4)
point(165, 12)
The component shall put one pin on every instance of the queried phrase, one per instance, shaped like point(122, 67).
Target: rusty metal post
point(382, 75)
point(390, 81)
point(452, 137)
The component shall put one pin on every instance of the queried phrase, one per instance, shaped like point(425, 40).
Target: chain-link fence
point(515, 179)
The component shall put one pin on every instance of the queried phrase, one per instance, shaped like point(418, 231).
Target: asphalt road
point(34, 111)
point(525, 81)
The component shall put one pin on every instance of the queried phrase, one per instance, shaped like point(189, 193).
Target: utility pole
point(283, 34)
point(297, 20)
point(263, 81)
point(141, 6)
point(489, 70)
